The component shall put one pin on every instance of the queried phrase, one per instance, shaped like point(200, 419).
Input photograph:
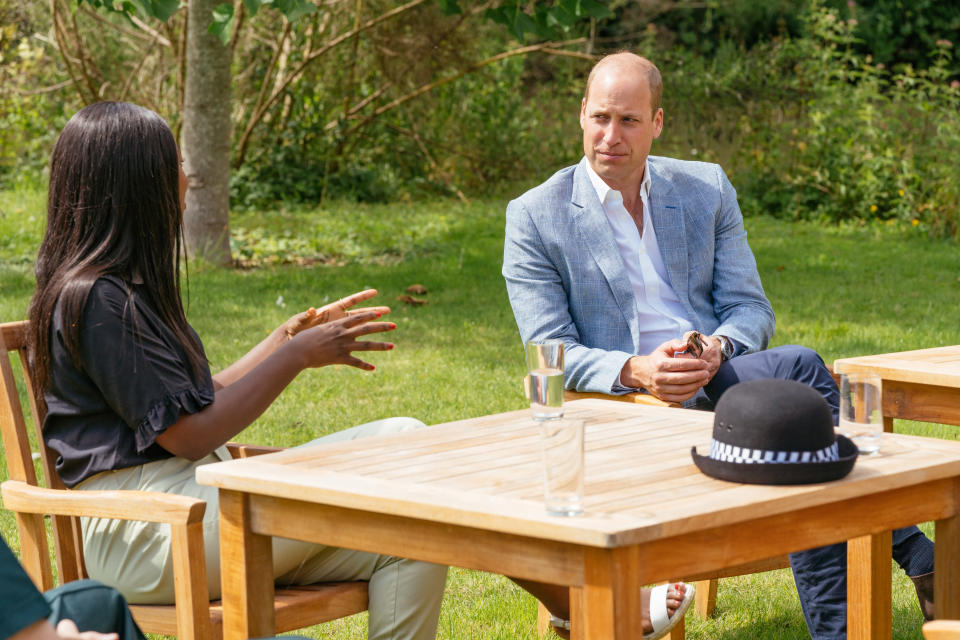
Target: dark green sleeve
point(21, 604)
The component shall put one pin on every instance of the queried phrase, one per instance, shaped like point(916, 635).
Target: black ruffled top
point(133, 383)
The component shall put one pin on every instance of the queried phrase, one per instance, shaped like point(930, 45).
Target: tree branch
point(439, 83)
point(145, 34)
point(258, 113)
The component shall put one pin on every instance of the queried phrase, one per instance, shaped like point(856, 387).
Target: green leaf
point(222, 25)
point(163, 9)
point(522, 24)
point(498, 15)
point(563, 16)
point(594, 9)
point(159, 9)
point(294, 9)
point(450, 7)
point(253, 6)
point(545, 22)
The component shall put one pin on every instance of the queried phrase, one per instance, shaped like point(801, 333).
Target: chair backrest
point(34, 552)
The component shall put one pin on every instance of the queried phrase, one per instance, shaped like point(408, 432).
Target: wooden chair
point(193, 617)
point(942, 630)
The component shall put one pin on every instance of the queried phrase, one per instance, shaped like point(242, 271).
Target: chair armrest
point(144, 506)
point(942, 630)
point(635, 398)
point(238, 450)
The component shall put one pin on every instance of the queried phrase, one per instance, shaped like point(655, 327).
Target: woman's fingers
point(369, 345)
point(341, 308)
point(358, 363)
point(355, 298)
point(380, 310)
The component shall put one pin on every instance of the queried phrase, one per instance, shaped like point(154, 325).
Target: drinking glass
point(545, 368)
point(562, 441)
point(861, 418)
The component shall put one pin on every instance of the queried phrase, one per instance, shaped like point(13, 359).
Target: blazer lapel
point(597, 236)
point(666, 213)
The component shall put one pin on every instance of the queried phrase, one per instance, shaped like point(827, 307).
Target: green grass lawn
point(842, 291)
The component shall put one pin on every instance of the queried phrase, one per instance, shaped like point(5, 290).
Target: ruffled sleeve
point(168, 410)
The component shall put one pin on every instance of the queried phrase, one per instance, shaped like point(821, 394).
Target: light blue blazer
point(566, 278)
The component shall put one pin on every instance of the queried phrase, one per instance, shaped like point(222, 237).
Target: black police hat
point(775, 432)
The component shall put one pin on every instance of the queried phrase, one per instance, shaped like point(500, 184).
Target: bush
point(31, 115)
point(857, 141)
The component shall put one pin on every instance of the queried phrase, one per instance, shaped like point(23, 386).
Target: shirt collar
point(604, 190)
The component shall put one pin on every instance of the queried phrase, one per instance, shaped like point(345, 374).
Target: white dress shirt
point(660, 314)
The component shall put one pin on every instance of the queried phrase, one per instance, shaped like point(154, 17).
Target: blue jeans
point(820, 574)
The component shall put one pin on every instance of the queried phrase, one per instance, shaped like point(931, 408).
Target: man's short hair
point(654, 80)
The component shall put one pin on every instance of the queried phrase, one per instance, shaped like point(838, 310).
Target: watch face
point(726, 348)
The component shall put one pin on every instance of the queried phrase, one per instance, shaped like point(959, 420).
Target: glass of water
point(562, 441)
point(861, 415)
point(545, 369)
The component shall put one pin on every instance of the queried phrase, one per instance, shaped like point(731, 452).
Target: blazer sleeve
point(739, 302)
point(537, 288)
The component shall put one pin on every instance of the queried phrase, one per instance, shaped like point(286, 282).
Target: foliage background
point(819, 109)
point(821, 112)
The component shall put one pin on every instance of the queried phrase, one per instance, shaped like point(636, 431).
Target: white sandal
point(660, 619)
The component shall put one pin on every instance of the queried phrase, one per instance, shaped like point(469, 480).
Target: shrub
point(857, 141)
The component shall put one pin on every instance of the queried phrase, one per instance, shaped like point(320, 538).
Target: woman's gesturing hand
point(334, 342)
point(334, 311)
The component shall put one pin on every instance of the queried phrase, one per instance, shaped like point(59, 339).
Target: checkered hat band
point(729, 453)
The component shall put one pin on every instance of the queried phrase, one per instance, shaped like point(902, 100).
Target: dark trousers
point(820, 574)
point(96, 607)
point(93, 607)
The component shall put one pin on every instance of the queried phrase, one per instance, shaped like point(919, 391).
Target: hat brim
point(781, 473)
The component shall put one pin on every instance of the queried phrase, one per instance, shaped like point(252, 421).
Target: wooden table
point(469, 494)
point(917, 385)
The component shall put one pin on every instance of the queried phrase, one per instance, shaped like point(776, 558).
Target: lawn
point(843, 291)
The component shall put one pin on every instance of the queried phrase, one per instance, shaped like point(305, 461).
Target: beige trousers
point(134, 557)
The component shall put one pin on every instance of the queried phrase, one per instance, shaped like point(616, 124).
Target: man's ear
point(583, 112)
point(658, 123)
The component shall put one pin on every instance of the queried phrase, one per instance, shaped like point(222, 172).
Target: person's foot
point(674, 598)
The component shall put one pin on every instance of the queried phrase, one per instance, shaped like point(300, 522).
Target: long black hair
point(113, 209)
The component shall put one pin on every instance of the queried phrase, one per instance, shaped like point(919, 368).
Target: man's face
point(618, 127)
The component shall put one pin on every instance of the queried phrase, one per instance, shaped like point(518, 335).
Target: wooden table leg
point(946, 579)
point(607, 607)
point(543, 619)
point(869, 599)
point(887, 424)
point(246, 572)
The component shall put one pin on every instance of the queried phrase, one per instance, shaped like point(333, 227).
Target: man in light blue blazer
point(624, 255)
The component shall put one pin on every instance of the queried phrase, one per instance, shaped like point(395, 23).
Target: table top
point(938, 366)
point(641, 483)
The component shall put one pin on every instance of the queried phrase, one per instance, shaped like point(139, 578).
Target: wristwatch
point(726, 347)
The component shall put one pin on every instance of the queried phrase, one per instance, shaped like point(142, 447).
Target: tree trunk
point(206, 138)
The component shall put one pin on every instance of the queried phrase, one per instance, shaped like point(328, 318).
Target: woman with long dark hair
point(131, 400)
